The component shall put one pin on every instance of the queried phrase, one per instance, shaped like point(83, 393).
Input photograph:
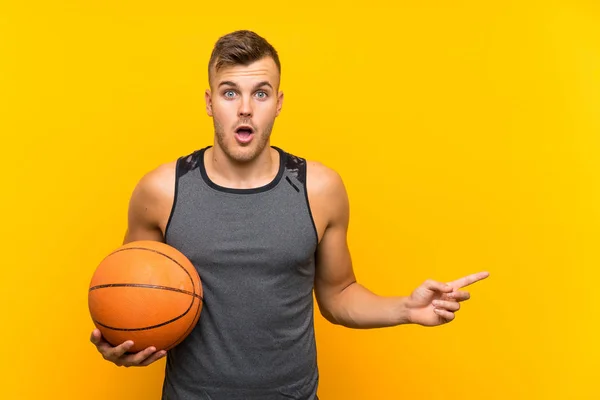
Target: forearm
point(358, 307)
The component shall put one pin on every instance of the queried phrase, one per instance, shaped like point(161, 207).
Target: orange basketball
point(148, 292)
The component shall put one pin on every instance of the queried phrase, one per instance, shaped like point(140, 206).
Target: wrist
point(401, 314)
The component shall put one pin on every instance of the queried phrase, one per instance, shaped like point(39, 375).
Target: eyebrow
point(258, 85)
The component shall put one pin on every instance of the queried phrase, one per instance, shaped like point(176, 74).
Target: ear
point(208, 100)
point(279, 103)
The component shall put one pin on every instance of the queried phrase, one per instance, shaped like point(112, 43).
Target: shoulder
point(323, 183)
point(150, 203)
point(323, 178)
point(159, 180)
point(156, 188)
point(325, 186)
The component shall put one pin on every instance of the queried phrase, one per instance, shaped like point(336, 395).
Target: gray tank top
point(254, 251)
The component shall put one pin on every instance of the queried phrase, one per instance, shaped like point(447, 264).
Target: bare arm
point(150, 205)
point(344, 301)
point(148, 213)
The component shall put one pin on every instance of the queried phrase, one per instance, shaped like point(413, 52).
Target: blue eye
point(261, 95)
point(229, 93)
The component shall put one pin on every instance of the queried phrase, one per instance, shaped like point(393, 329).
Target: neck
point(227, 172)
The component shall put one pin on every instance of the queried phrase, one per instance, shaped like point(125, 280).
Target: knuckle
point(133, 361)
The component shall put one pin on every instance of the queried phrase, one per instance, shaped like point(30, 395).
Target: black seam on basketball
point(146, 286)
point(149, 327)
point(146, 327)
point(162, 254)
point(187, 331)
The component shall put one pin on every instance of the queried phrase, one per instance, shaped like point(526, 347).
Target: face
point(244, 102)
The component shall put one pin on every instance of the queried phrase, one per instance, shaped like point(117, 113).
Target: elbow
point(333, 307)
point(329, 316)
point(336, 314)
point(327, 311)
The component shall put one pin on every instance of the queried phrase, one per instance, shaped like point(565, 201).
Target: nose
point(245, 109)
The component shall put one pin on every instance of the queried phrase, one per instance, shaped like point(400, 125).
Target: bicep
point(141, 224)
point(334, 265)
point(334, 271)
point(133, 234)
point(149, 208)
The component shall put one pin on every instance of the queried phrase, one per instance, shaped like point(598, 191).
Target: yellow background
point(467, 133)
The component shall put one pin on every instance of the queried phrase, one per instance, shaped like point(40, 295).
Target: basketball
point(147, 292)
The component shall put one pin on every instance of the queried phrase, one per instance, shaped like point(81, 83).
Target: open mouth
point(244, 133)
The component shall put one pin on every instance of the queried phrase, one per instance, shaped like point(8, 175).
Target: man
point(264, 228)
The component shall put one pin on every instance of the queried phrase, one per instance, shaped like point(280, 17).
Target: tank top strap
point(296, 167)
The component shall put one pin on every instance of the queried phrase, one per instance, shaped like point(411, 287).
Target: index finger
point(139, 357)
point(469, 280)
point(121, 349)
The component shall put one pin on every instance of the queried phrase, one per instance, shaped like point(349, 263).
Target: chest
point(267, 235)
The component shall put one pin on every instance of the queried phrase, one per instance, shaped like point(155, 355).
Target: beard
point(243, 154)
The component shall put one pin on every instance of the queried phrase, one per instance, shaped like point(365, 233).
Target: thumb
point(96, 336)
point(438, 286)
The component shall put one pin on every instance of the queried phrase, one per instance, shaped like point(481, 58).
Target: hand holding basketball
point(144, 298)
point(118, 355)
